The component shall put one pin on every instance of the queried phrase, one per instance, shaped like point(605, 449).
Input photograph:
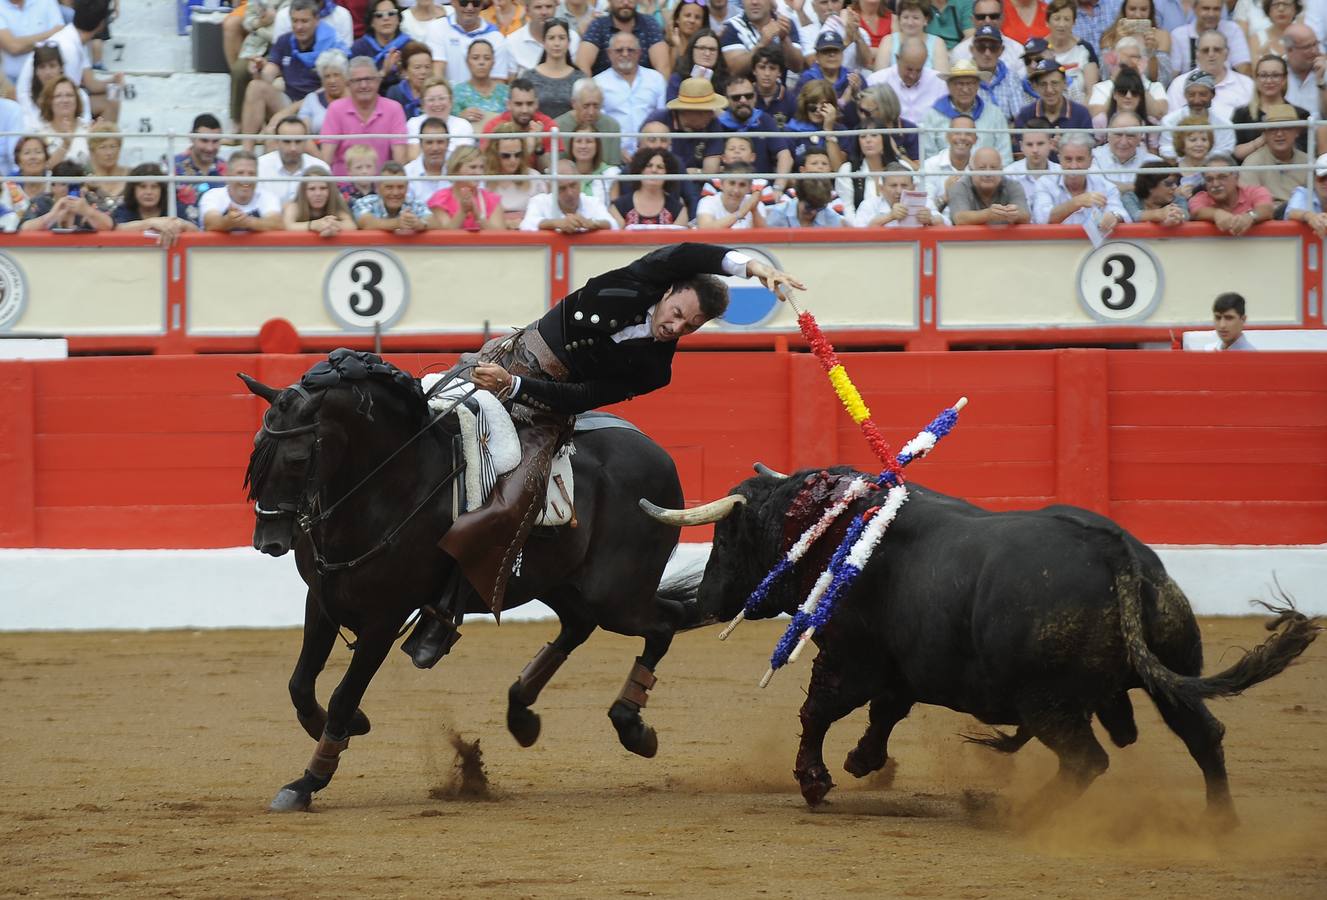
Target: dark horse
point(353, 457)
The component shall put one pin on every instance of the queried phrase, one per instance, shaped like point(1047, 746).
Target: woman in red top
point(1024, 20)
point(872, 16)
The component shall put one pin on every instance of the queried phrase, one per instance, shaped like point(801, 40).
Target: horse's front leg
point(319, 638)
point(371, 649)
point(523, 722)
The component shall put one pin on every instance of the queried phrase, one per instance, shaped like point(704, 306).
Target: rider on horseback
point(612, 340)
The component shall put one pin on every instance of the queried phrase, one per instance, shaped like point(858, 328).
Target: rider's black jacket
point(580, 330)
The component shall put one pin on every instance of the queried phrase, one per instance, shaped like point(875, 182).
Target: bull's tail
point(1293, 632)
point(1001, 741)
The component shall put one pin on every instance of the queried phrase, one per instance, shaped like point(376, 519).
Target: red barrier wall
point(1181, 448)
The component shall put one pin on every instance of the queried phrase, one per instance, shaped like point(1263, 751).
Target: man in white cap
point(1309, 205)
point(963, 99)
point(1199, 91)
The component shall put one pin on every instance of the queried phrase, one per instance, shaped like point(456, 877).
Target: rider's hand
point(772, 278)
point(491, 377)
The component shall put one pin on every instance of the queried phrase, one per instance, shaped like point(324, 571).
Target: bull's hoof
point(523, 724)
point(1221, 818)
point(861, 763)
point(291, 800)
point(815, 784)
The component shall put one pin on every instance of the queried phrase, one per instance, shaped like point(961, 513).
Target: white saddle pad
point(492, 449)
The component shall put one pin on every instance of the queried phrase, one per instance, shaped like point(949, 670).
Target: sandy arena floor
point(141, 764)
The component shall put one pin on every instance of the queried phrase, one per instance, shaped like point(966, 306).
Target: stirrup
point(433, 638)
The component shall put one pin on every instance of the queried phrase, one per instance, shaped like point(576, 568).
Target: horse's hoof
point(643, 743)
point(359, 724)
point(313, 725)
point(859, 764)
point(291, 800)
point(523, 725)
point(815, 785)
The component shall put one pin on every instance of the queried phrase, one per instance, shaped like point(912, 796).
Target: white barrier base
point(240, 588)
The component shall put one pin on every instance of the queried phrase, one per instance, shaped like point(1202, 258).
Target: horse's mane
point(342, 366)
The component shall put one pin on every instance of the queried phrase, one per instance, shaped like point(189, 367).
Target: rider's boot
point(438, 628)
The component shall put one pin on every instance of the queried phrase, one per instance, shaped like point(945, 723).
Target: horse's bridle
point(309, 511)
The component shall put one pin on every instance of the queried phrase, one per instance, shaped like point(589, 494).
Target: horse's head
point(282, 467)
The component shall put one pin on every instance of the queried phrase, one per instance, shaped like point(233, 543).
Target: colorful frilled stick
point(865, 532)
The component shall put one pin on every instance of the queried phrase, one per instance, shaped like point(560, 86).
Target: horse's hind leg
point(319, 638)
point(522, 722)
point(370, 651)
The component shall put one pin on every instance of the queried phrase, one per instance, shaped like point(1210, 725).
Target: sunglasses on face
point(386, 14)
point(991, 17)
point(737, 98)
point(474, 3)
point(509, 155)
point(1127, 92)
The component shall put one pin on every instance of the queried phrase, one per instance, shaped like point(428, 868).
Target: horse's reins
point(307, 522)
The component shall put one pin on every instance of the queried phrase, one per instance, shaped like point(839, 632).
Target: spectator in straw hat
point(1309, 205)
point(695, 111)
point(1283, 127)
point(963, 99)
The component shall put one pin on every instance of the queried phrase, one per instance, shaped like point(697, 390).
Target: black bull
point(1035, 619)
point(350, 456)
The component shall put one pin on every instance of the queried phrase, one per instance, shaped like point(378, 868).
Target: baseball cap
point(1043, 67)
point(1199, 78)
point(1035, 47)
point(1321, 170)
point(987, 33)
point(829, 40)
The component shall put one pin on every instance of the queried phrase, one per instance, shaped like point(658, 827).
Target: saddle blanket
point(492, 449)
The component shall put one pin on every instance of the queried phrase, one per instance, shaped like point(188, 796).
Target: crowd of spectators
point(406, 116)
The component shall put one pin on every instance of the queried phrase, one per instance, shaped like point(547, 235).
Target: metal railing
point(555, 137)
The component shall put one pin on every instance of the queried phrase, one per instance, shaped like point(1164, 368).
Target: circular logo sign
point(364, 288)
point(13, 292)
point(750, 303)
point(1119, 282)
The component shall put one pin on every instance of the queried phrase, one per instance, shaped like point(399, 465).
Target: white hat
point(1321, 171)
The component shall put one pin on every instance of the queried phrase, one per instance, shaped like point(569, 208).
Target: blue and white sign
point(750, 303)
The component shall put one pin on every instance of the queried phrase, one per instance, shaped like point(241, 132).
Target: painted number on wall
point(1119, 282)
point(364, 288)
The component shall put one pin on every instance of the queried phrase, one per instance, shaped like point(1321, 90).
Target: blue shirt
point(601, 31)
point(784, 215)
point(301, 79)
point(766, 149)
point(1091, 24)
point(1302, 198)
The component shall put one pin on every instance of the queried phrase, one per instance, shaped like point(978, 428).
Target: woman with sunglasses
point(483, 96)
point(1271, 77)
point(1128, 94)
point(1155, 197)
point(702, 53)
point(383, 42)
point(505, 157)
point(554, 76)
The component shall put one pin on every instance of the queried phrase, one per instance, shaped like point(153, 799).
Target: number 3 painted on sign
point(366, 288)
point(370, 286)
point(1119, 281)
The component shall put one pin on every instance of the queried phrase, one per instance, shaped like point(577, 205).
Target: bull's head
point(742, 550)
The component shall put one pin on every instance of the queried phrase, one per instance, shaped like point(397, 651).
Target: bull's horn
point(705, 514)
point(762, 469)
